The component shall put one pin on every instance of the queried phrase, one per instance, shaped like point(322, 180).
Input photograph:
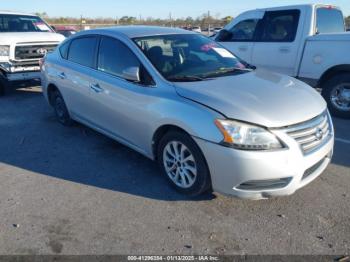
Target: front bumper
point(230, 168)
point(21, 71)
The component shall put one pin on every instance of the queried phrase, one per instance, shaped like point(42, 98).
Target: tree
point(347, 21)
point(43, 14)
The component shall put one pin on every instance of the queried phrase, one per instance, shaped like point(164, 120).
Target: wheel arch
point(333, 71)
point(50, 89)
point(160, 132)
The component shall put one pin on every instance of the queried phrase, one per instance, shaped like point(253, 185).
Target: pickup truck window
point(22, 23)
point(244, 30)
point(329, 20)
point(280, 26)
point(82, 50)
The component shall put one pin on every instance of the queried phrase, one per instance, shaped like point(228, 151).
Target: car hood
point(259, 97)
point(29, 37)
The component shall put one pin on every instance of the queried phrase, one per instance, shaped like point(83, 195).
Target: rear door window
point(280, 26)
point(329, 20)
point(82, 51)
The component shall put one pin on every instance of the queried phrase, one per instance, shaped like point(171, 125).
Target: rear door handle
point(96, 88)
point(243, 48)
point(62, 75)
point(284, 49)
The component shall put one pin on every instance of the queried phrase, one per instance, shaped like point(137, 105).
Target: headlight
point(4, 50)
point(247, 137)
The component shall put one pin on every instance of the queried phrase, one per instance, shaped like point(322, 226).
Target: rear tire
point(183, 163)
point(60, 108)
point(336, 91)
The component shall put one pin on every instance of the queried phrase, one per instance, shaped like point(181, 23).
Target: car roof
point(301, 6)
point(2, 12)
point(141, 31)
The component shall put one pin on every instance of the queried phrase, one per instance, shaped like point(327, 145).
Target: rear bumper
point(231, 169)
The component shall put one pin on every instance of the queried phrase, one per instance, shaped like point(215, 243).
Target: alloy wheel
point(180, 164)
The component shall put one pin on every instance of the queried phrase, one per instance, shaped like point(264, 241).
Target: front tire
point(336, 91)
point(183, 163)
point(60, 108)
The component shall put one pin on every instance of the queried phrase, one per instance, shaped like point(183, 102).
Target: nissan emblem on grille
point(319, 134)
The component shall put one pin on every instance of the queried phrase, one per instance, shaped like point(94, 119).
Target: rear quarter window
point(64, 50)
point(329, 20)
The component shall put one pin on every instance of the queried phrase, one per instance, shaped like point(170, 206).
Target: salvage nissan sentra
point(211, 121)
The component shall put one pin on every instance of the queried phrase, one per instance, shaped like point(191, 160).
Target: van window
point(329, 20)
point(280, 26)
point(244, 30)
point(82, 51)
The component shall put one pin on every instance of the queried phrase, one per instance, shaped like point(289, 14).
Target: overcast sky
point(154, 8)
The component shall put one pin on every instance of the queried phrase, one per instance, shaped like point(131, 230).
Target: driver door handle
point(96, 88)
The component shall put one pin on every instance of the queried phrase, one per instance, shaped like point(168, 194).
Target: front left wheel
point(183, 163)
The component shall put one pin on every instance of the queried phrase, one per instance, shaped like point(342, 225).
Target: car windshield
point(189, 57)
point(22, 23)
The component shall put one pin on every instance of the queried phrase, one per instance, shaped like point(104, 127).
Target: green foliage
point(347, 21)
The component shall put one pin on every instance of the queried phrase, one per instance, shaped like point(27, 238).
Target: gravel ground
point(73, 191)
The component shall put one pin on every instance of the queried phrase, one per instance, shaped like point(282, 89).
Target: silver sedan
point(212, 121)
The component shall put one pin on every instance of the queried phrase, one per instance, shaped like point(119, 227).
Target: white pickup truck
point(24, 40)
point(308, 42)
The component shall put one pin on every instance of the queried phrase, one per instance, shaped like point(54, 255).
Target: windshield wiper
point(185, 78)
point(226, 71)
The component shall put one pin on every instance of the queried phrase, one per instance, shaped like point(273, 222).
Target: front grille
point(311, 134)
point(27, 52)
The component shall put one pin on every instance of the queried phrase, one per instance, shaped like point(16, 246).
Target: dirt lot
point(73, 191)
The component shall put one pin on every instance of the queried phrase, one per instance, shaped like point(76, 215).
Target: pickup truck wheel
point(183, 163)
point(2, 89)
point(60, 108)
point(336, 92)
point(2, 85)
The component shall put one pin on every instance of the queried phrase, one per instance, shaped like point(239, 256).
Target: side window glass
point(280, 26)
point(82, 51)
point(329, 20)
point(64, 50)
point(114, 57)
point(244, 30)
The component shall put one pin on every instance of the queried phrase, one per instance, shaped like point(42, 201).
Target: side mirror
point(224, 36)
point(132, 74)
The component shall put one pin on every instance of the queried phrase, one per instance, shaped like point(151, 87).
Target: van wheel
point(183, 163)
point(60, 108)
point(336, 92)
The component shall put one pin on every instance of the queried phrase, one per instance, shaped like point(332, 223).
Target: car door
point(242, 41)
point(277, 45)
point(74, 73)
point(120, 106)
